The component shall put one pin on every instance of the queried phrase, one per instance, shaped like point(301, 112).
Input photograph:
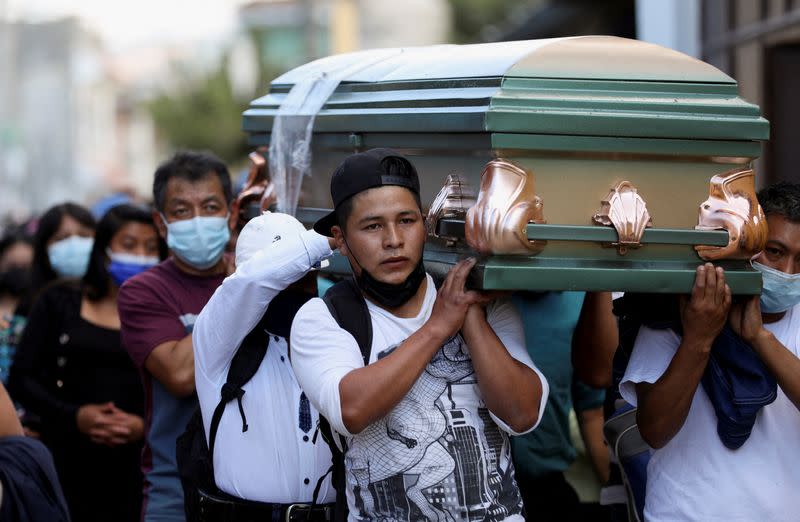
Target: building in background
point(50, 72)
point(757, 42)
point(64, 131)
point(291, 32)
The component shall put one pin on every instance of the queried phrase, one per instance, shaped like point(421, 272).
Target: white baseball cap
point(264, 230)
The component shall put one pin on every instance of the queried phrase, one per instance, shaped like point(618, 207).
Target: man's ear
point(160, 225)
point(233, 215)
point(338, 238)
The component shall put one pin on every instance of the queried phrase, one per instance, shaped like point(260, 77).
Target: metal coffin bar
point(551, 274)
point(556, 274)
point(544, 232)
point(548, 274)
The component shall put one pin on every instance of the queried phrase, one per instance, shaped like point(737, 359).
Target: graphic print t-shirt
point(157, 306)
point(440, 453)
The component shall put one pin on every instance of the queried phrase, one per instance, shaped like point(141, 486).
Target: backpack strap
point(346, 304)
point(244, 365)
point(348, 307)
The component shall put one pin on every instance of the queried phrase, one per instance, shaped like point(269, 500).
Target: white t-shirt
point(440, 449)
point(275, 460)
point(695, 477)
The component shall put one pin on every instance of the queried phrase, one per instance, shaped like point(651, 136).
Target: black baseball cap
point(360, 172)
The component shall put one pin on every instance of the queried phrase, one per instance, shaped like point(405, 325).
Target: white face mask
point(200, 241)
point(780, 291)
point(70, 257)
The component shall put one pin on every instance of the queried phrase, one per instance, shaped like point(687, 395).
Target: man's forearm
point(511, 390)
point(590, 423)
point(664, 405)
point(595, 340)
point(172, 364)
point(232, 312)
point(369, 393)
point(240, 302)
point(184, 355)
point(9, 422)
point(782, 363)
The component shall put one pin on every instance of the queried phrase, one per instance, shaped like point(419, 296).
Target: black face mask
point(15, 281)
point(391, 295)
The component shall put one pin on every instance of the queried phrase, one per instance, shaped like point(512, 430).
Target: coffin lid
point(581, 86)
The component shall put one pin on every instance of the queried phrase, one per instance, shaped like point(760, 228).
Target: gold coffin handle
point(258, 188)
point(732, 205)
point(507, 202)
point(625, 210)
point(452, 202)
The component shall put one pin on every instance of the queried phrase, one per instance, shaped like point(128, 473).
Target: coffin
point(586, 163)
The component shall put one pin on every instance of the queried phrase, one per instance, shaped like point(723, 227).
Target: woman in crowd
point(61, 248)
point(71, 369)
point(62, 242)
point(16, 255)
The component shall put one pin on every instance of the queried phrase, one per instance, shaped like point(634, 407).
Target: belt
point(215, 508)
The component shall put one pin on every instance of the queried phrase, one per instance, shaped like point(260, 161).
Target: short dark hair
point(783, 199)
point(392, 166)
point(41, 270)
point(192, 166)
point(12, 236)
point(96, 280)
point(15, 280)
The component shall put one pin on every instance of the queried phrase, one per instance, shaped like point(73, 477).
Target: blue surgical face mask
point(780, 291)
point(124, 266)
point(70, 257)
point(200, 241)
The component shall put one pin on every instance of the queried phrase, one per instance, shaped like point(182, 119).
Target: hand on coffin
point(705, 312)
point(453, 300)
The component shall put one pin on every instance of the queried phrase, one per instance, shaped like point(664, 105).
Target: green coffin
point(583, 114)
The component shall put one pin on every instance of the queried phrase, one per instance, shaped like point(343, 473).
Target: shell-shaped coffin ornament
point(507, 202)
point(258, 193)
point(732, 205)
point(626, 211)
point(452, 202)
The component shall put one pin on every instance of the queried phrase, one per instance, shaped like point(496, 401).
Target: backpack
point(632, 454)
point(625, 491)
point(195, 456)
point(346, 304)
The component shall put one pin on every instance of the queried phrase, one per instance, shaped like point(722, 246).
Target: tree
point(472, 18)
point(203, 115)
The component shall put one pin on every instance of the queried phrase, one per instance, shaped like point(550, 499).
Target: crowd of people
point(166, 363)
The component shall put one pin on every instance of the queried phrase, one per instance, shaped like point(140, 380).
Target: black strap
point(315, 496)
point(244, 365)
point(337, 469)
point(347, 305)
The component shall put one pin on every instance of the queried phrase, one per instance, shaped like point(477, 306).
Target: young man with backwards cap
point(277, 461)
point(426, 422)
